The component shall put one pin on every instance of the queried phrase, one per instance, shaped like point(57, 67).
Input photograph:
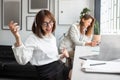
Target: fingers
point(94, 43)
point(13, 26)
point(65, 52)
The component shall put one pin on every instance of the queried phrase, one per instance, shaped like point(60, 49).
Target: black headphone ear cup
point(35, 22)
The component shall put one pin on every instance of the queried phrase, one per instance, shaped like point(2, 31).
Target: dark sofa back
point(9, 66)
point(6, 52)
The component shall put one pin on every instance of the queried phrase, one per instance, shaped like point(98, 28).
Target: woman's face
point(87, 22)
point(47, 26)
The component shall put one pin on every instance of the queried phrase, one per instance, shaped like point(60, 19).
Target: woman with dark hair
point(79, 34)
point(40, 48)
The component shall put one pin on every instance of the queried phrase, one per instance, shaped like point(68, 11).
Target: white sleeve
point(23, 53)
point(74, 36)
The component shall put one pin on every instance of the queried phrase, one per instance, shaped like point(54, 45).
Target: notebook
point(101, 66)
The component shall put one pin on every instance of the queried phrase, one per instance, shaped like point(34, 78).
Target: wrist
point(18, 42)
point(88, 44)
point(61, 56)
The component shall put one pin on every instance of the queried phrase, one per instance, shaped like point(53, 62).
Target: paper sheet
point(101, 66)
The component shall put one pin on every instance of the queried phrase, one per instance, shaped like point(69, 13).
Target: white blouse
point(78, 38)
point(74, 38)
point(37, 51)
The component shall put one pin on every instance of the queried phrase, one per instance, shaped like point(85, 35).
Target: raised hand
point(15, 30)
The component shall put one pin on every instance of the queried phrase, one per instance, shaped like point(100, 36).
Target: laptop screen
point(109, 47)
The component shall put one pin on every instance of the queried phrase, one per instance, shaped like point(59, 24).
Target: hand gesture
point(14, 29)
point(65, 53)
point(94, 43)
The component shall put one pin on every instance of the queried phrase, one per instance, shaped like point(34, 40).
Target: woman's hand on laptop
point(92, 43)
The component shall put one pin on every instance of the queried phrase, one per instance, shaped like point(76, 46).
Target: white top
point(74, 38)
point(37, 51)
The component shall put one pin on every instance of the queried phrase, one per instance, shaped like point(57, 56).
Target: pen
point(97, 64)
point(82, 58)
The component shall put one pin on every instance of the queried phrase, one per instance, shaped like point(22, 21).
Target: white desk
point(77, 74)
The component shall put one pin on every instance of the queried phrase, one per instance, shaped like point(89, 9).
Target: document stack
point(101, 66)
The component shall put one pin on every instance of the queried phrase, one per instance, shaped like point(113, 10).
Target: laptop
point(109, 48)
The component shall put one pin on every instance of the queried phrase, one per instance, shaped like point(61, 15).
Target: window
point(110, 17)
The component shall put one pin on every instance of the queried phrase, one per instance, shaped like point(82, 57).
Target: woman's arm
point(21, 53)
point(15, 30)
point(74, 35)
point(64, 53)
point(24, 52)
point(92, 43)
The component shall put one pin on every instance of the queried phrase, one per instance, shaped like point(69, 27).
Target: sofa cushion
point(6, 52)
point(12, 68)
point(1, 66)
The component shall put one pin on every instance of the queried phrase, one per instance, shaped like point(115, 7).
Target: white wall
point(6, 37)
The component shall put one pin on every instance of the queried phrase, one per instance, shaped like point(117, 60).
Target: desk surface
point(77, 74)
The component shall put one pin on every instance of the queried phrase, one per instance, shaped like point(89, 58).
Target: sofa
point(9, 66)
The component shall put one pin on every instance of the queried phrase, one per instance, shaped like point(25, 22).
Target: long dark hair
point(89, 28)
point(39, 19)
